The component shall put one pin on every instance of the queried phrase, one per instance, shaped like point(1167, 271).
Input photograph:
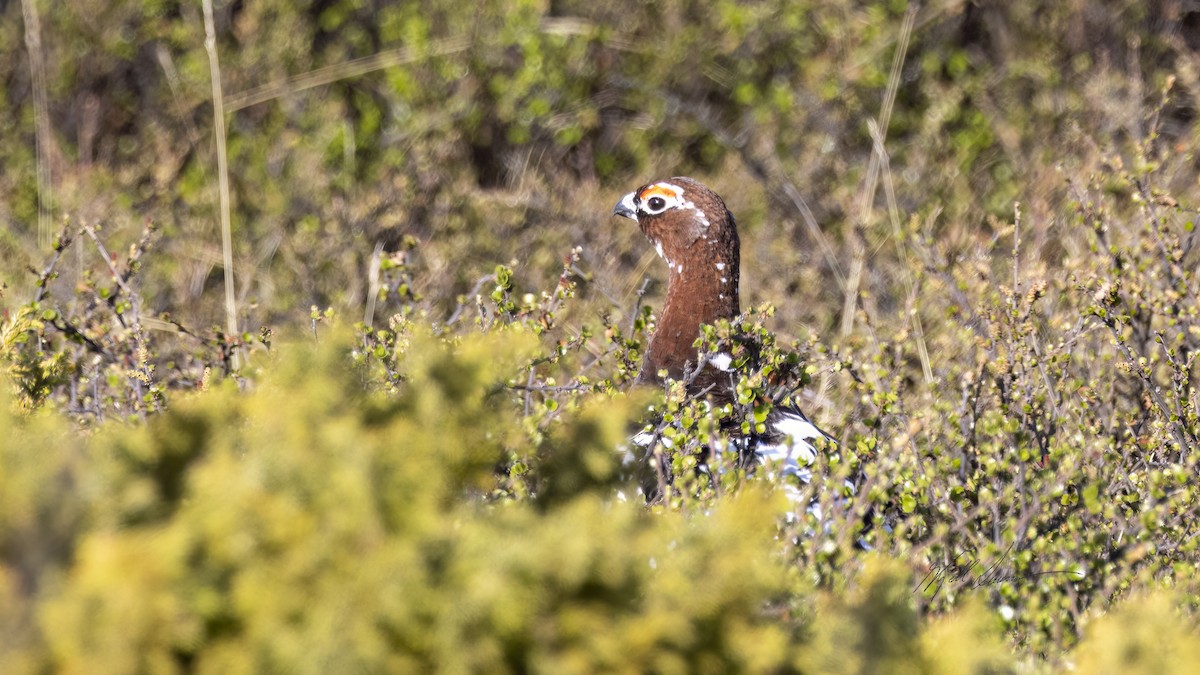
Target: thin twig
point(134, 300)
point(373, 284)
point(1016, 256)
point(116, 274)
point(810, 220)
point(548, 389)
point(41, 118)
point(559, 26)
point(173, 82)
point(214, 65)
point(1148, 385)
point(339, 71)
point(479, 284)
point(637, 304)
point(885, 112)
point(889, 191)
point(1051, 388)
point(850, 291)
point(47, 272)
point(875, 165)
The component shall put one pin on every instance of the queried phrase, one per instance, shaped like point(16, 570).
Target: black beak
point(626, 207)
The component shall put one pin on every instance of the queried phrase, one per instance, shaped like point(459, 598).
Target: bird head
point(676, 214)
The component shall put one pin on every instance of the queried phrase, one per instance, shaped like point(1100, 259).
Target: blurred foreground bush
point(315, 525)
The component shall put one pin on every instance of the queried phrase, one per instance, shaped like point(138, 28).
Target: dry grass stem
point(210, 44)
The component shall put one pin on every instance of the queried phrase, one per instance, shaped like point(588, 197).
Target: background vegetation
point(968, 228)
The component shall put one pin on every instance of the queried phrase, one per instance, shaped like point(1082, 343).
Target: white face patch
point(627, 207)
point(661, 197)
point(720, 267)
point(657, 198)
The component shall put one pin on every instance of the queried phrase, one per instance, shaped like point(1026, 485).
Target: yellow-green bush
point(312, 524)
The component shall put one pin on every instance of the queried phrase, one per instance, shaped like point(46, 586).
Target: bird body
point(696, 235)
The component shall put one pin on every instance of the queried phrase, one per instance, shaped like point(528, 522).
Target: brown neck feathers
point(702, 288)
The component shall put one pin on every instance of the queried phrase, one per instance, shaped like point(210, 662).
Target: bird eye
point(656, 204)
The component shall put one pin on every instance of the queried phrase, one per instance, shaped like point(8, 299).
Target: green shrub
point(314, 524)
point(976, 269)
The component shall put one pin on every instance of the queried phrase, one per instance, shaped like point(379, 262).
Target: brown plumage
point(695, 234)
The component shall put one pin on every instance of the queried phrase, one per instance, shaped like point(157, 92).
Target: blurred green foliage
point(314, 525)
point(997, 316)
point(507, 127)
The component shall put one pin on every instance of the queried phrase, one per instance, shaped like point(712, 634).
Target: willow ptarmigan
point(695, 234)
